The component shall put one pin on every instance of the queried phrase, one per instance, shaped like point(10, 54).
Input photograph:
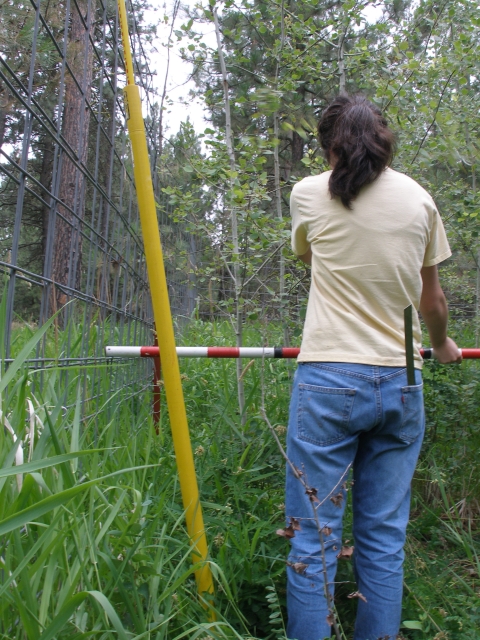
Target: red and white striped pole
point(241, 352)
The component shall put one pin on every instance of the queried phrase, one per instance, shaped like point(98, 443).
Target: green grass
point(93, 544)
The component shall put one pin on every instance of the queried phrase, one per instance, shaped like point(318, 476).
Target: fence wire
point(70, 231)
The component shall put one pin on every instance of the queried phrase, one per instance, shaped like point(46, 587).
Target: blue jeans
point(368, 417)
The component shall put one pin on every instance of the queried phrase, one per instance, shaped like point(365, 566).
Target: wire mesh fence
point(70, 229)
point(71, 242)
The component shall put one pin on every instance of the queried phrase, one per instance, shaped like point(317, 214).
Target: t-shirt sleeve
point(300, 245)
point(438, 248)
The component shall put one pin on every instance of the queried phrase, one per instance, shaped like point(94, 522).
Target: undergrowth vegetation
point(93, 541)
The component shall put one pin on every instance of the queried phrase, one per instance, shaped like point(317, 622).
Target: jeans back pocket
point(323, 414)
point(413, 413)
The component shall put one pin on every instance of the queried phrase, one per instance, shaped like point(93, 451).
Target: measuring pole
point(244, 352)
point(163, 318)
point(408, 326)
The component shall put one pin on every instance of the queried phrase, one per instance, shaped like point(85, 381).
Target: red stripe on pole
point(290, 352)
point(149, 352)
point(223, 352)
point(470, 353)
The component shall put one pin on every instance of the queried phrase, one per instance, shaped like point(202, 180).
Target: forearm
point(435, 317)
point(434, 310)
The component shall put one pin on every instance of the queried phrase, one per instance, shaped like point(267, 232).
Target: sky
point(178, 81)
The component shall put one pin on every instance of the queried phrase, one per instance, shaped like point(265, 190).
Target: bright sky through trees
point(181, 104)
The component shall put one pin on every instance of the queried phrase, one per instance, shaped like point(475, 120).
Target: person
point(373, 237)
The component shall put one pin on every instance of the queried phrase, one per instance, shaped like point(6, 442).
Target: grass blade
point(28, 467)
point(75, 601)
point(52, 502)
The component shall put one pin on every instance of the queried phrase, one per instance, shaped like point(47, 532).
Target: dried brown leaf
point(312, 494)
point(337, 499)
point(357, 594)
point(327, 531)
point(345, 553)
point(330, 619)
point(295, 524)
point(298, 567)
point(288, 532)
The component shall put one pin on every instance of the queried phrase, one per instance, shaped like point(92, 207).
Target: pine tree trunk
point(46, 182)
point(67, 256)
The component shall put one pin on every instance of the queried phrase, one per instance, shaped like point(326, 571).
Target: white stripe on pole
point(190, 352)
point(257, 352)
point(123, 352)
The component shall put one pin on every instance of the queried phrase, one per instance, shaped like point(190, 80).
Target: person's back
point(373, 237)
point(366, 264)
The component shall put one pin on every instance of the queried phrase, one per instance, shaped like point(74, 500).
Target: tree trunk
point(6, 105)
point(67, 257)
point(107, 267)
point(238, 325)
point(278, 191)
point(278, 205)
point(192, 276)
point(46, 182)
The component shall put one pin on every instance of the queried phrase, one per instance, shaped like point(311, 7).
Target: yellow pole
point(163, 318)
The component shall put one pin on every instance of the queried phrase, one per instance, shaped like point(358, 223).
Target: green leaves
point(70, 607)
point(412, 624)
point(43, 507)
point(19, 361)
point(36, 465)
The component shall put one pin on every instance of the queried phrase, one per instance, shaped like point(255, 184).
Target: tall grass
point(92, 536)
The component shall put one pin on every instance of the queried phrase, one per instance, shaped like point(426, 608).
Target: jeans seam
point(378, 394)
point(354, 374)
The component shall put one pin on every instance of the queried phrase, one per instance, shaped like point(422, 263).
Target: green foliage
point(417, 61)
point(94, 544)
point(93, 536)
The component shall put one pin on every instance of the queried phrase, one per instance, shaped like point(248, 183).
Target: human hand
point(448, 352)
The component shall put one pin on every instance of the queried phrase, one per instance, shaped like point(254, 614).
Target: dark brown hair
point(357, 143)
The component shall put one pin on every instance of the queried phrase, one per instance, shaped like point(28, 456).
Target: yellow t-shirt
point(365, 267)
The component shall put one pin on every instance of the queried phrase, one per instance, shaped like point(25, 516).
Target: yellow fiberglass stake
point(163, 319)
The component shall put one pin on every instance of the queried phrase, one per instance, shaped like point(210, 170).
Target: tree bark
point(46, 182)
point(67, 257)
